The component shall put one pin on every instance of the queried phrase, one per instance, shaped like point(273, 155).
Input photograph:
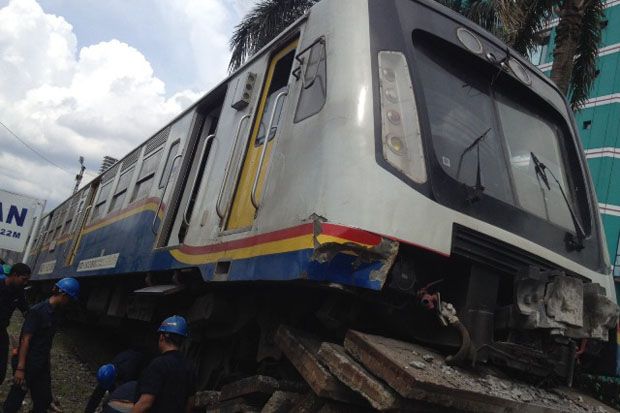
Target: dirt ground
point(75, 356)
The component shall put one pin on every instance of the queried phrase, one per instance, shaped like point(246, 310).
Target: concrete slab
point(301, 349)
point(419, 374)
point(254, 387)
point(281, 402)
point(356, 377)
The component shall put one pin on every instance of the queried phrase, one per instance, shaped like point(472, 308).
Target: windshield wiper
point(478, 188)
point(541, 171)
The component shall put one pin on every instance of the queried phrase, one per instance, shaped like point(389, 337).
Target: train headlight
point(388, 74)
point(400, 127)
point(393, 117)
point(391, 95)
point(396, 145)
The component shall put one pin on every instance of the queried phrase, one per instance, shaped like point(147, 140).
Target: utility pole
point(78, 177)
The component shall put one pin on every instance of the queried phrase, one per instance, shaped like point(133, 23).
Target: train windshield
point(484, 135)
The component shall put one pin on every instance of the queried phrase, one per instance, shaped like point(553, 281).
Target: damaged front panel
point(370, 258)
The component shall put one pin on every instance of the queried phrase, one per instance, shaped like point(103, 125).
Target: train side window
point(121, 190)
point(147, 173)
point(57, 232)
point(67, 227)
point(44, 229)
point(101, 200)
point(314, 82)
point(174, 148)
point(78, 213)
point(59, 229)
point(276, 117)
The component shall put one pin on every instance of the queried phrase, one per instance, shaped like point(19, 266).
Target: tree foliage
point(584, 69)
point(520, 24)
point(263, 23)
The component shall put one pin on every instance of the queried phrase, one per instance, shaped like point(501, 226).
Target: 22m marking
point(9, 233)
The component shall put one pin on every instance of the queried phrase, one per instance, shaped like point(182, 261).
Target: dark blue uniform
point(10, 299)
point(128, 366)
point(170, 378)
point(125, 392)
point(41, 322)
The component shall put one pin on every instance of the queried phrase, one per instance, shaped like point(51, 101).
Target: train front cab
point(525, 257)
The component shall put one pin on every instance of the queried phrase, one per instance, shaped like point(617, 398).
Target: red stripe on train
point(339, 231)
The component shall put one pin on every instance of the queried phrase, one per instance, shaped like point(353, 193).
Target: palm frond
point(485, 14)
point(524, 21)
point(263, 23)
point(584, 70)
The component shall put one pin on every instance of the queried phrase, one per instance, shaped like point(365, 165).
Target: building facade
point(598, 123)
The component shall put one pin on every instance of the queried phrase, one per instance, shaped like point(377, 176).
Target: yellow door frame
point(242, 211)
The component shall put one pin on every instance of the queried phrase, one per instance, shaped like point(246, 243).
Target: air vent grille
point(110, 174)
point(494, 253)
point(157, 140)
point(130, 159)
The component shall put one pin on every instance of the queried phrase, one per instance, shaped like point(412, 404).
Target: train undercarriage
point(477, 309)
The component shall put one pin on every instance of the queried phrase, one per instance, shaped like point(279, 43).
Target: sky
point(94, 78)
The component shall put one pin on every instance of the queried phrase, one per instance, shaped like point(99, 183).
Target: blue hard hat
point(69, 286)
point(106, 376)
point(5, 269)
point(174, 325)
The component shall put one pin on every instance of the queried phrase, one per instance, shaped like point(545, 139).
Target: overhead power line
point(34, 150)
point(40, 154)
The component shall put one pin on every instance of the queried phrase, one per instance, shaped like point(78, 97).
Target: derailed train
point(382, 164)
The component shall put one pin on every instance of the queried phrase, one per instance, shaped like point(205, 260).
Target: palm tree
point(264, 22)
point(518, 22)
point(578, 36)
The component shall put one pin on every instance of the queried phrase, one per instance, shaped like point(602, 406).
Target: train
point(384, 165)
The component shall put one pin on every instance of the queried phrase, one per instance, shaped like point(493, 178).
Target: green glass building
point(598, 123)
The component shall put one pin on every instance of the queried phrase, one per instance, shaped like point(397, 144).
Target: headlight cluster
point(400, 127)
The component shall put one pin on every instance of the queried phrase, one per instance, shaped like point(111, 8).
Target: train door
point(192, 175)
point(248, 192)
point(83, 211)
point(178, 153)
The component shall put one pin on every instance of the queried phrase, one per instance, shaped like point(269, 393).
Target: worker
point(167, 384)
point(124, 367)
point(32, 363)
point(11, 297)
